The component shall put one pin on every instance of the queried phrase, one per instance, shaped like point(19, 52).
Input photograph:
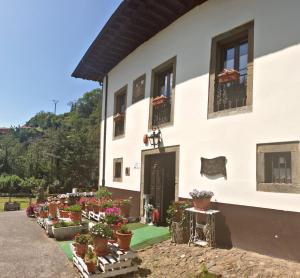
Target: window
point(162, 93)
point(117, 170)
point(231, 71)
point(120, 112)
point(278, 167)
point(138, 88)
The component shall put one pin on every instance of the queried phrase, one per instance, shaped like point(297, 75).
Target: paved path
point(26, 251)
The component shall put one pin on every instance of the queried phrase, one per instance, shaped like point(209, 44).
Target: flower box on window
point(118, 117)
point(228, 75)
point(159, 100)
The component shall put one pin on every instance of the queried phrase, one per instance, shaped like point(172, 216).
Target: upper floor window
point(231, 71)
point(278, 167)
point(163, 84)
point(120, 112)
point(138, 88)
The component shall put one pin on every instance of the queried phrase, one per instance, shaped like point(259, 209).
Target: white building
point(177, 49)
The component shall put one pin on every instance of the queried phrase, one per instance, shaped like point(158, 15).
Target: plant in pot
point(105, 204)
point(90, 203)
point(103, 193)
point(124, 205)
point(75, 212)
point(63, 211)
point(101, 233)
point(201, 199)
point(43, 211)
point(178, 220)
point(90, 260)
point(124, 238)
point(82, 202)
point(113, 219)
point(81, 244)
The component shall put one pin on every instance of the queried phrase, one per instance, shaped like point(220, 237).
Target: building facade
point(173, 81)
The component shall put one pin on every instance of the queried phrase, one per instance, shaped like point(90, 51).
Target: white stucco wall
point(276, 95)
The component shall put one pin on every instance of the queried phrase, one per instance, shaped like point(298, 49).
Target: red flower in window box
point(159, 100)
point(228, 75)
point(118, 117)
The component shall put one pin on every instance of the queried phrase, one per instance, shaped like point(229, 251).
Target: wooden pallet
point(86, 214)
point(96, 216)
point(114, 264)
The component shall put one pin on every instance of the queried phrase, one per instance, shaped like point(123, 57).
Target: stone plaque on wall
point(213, 166)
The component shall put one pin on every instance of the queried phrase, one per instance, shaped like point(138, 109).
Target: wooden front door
point(160, 181)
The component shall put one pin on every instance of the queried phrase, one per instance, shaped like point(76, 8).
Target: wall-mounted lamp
point(155, 137)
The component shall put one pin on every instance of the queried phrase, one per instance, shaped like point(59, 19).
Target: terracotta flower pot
point(43, 214)
point(62, 200)
point(124, 240)
point(202, 204)
point(125, 210)
point(75, 216)
point(96, 208)
point(64, 214)
point(91, 266)
point(100, 246)
point(81, 249)
point(89, 207)
point(53, 209)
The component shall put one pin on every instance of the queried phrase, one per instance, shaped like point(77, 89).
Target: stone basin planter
point(66, 232)
point(10, 206)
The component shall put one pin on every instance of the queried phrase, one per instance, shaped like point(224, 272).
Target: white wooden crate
point(108, 266)
point(96, 216)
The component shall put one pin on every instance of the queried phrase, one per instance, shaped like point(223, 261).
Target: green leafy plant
point(204, 273)
point(74, 208)
point(82, 238)
point(63, 224)
point(90, 256)
point(177, 213)
point(103, 192)
point(101, 230)
point(124, 230)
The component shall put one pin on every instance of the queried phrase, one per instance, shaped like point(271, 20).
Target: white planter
point(66, 232)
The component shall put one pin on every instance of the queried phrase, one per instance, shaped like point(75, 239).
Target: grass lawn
point(143, 236)
point(23, 202)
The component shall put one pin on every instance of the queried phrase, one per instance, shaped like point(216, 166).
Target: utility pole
point(55, 101)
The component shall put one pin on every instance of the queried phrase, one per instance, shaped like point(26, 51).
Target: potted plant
point(228, 75)
point(75, 212)
point(177, 219)
point(90, 203)
point(101, 233)
point(53, 209)
point(63, 212)
point(124, 205)
point(159, 100)
point(81, 244)
point(113, 219)
point(82, 202)
point(103, 193)
point(90, 260)
point(43, 211)
point(105, 204)
point(124, 238)
point(201, 199)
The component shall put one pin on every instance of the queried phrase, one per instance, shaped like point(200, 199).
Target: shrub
point(90, 256)
point(101, 230)
point(74, 208)
point(103, 193)
point(82, 238)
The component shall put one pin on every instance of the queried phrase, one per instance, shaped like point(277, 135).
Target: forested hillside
point(60, 151)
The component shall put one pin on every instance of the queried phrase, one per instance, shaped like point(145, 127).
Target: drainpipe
point(104, 132)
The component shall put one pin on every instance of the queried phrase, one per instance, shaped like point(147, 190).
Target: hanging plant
point(228, 75)
point(159, 100)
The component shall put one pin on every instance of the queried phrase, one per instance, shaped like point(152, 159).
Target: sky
point(41, 43)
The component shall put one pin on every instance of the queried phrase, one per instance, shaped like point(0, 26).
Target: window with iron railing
point(231, 82)
point(162, 97)
point(120, 113)
point(231, 72)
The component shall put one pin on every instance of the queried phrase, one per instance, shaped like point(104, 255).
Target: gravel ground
point(169, 260)
point(26, 251)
